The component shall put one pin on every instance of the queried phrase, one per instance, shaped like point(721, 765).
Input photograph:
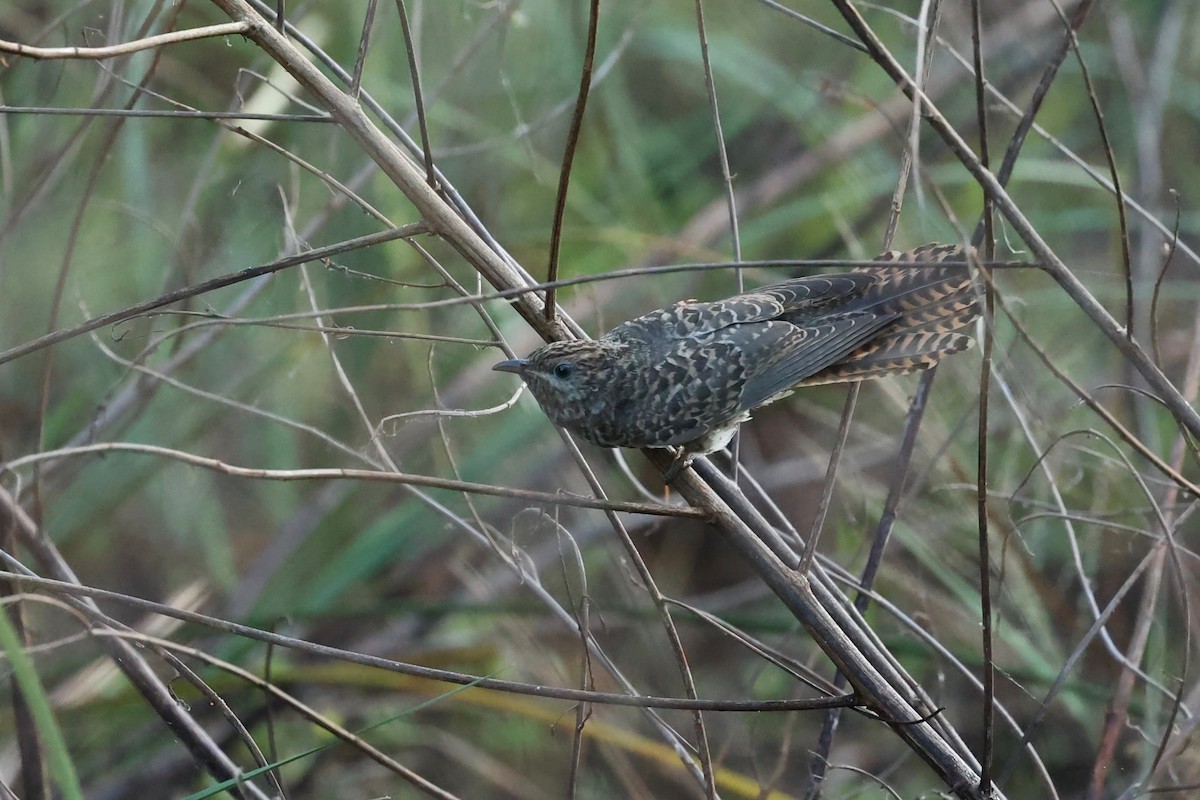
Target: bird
point(689, 375)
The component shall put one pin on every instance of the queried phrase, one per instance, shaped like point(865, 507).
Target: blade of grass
point(57, 755)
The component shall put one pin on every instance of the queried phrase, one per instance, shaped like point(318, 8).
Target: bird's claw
point(683, 460)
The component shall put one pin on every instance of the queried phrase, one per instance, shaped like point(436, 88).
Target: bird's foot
point(683, 460)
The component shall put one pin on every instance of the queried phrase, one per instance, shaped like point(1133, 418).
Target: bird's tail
point(932, 305)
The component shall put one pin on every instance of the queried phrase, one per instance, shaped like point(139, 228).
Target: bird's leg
point(683, 460)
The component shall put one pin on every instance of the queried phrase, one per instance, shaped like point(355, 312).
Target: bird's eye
point(564, 370)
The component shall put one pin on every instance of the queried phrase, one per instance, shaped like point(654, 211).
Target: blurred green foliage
point(100, 212)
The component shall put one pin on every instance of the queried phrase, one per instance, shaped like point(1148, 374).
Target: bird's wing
point(817, 294)
point(777, 355)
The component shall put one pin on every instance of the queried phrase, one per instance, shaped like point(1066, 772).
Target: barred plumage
point(688, 375)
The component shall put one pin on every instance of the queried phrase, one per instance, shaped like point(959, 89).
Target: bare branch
point(113, 51)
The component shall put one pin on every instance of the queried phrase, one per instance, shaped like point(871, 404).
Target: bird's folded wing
point(778, 355)
point(817, 294)
point(812, 292)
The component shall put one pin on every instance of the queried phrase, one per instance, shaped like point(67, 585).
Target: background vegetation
point(173, 456)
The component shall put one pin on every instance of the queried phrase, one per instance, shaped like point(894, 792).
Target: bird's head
point(572, 380)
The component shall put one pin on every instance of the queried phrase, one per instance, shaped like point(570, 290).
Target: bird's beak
point(514, 365)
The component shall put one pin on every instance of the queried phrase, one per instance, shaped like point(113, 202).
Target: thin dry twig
point(205, 287)
point(125, 48)
point(573, 134)
point(128, 658)
point(31, 581)
point(380, 476)
point(1004, 203)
